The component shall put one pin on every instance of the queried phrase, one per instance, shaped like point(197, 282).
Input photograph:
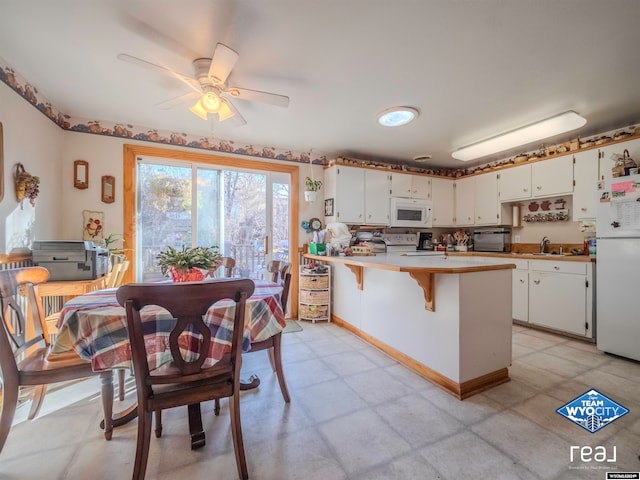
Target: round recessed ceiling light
point(397, 116)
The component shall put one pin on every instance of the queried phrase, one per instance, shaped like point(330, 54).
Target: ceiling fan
point(209, 86)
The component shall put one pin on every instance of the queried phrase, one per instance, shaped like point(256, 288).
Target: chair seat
point(39, 365)
point(263, 345)
point(170, 374)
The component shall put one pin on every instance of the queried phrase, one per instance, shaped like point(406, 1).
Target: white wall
point(35, 141)
point(104, 155)
point(49, 152)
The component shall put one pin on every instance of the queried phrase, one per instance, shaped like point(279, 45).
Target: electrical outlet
point(517, 238)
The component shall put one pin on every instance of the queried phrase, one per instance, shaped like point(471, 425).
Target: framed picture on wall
point(328, 207)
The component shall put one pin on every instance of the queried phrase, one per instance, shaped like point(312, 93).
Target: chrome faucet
point(543, 244)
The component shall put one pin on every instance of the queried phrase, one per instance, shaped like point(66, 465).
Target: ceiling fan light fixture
point(397, 116)
point(199, 110)
point(549, 127)
point(224, 112)
point(210, 102)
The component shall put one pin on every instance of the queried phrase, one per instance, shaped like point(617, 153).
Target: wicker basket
point(314, 281)
point(314, 296)
point(313, 311)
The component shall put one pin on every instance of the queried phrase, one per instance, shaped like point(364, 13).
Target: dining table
point(94, 326)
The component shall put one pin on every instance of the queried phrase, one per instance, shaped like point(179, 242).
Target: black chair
point(181, 382)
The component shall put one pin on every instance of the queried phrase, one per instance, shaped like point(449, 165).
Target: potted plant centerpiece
point(190, 264)
point(311, 193)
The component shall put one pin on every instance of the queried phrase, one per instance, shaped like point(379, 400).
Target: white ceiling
point(474, 68)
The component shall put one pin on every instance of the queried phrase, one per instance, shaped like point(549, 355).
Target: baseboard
point(458, 390)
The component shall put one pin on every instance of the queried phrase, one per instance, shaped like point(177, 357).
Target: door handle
point(537, 282)
point(266, 244)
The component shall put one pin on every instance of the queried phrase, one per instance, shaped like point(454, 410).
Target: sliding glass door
point(181, 203)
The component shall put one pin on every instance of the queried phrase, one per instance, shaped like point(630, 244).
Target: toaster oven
point(492, 240)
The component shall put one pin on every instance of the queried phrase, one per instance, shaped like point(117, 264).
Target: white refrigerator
point(618, 267)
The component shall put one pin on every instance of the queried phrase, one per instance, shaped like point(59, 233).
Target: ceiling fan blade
point(223, 61)
point(258, 96)
point(172, 102)
point(237, 118)
point(190, 82)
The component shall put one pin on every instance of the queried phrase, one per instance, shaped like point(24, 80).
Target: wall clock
point(315, 224)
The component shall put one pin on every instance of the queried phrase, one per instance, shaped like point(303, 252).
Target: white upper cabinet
point(442, 197)
point(488, 208)
point(421, 187)
point(605, 162)
point(552, 177)
point(585, 176)
point(410, 186)
point(545, 178)
point(376, 197)
point(360, 195)
point(515, 183)
point(346, 186)
point(465, 201)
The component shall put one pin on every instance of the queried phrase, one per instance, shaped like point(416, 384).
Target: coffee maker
point(425, 241)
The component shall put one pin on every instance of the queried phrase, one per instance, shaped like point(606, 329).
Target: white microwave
point(411, 212)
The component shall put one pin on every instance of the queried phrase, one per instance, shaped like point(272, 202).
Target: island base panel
point(459, 390)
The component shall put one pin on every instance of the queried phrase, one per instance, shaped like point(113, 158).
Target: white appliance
point(405, 244)
point(411, 212)
point(618, 267)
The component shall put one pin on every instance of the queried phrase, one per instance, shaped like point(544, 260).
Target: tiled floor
point(357, 414)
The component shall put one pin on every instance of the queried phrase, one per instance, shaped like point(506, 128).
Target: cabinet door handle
point(537, 282)
point(556, 267)
point(525, 189)
point(521, 281)
point(539, 187)
point(583, 209)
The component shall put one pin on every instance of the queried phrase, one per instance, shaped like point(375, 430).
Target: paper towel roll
point(515, 220)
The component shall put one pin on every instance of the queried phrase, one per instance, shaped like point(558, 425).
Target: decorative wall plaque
point(81, 174)
point(108, 189)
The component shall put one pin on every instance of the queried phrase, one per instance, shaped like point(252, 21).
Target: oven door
point(410, 213)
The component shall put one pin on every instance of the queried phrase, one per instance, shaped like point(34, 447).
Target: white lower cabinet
point(520, 298)
point(553, 294)
point(561, 296)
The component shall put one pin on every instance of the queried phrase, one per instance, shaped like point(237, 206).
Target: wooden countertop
point(527, 256)
point(421, 268)
point(421, 264)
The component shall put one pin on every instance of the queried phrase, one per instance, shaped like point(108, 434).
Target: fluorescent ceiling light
point(562, 123)
point(397, 116)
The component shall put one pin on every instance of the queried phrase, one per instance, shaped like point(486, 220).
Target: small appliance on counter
point(492, 240)
point(71, 260)
point(425, 241)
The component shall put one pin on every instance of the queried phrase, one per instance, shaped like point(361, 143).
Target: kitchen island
point(448, 319)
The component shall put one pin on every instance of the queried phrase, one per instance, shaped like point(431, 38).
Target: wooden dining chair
point(115, 277)
point(228, 263)
point(25, 346)
point(273, 344)
point(273, 270)
point(180, 382)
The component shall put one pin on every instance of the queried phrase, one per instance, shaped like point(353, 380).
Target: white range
point(406, 244)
